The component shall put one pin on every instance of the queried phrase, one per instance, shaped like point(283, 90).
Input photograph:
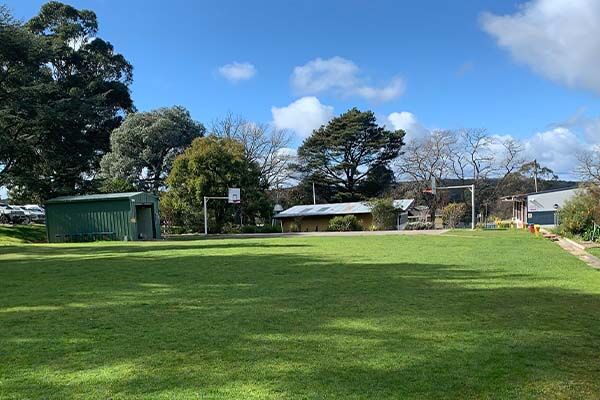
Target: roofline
point(540, 192)
point(96, 197)
point(279, 216)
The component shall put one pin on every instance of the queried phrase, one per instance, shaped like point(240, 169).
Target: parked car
point(11, 215)
point(33, 213)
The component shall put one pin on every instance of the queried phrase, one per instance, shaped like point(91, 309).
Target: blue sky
point(497, 64)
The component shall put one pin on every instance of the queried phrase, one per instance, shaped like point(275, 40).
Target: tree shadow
point(293, 325)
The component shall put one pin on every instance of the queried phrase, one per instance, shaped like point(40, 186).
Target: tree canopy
point(345, 153)
point(144, 147)
point(62, 91)
point(208, 167)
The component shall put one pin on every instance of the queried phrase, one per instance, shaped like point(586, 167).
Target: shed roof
point(97, 197)
point(337, 209)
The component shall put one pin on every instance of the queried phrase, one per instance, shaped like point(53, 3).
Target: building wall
point(321, 223)
point(71, 221)
point(541, 218)
point(539, 202)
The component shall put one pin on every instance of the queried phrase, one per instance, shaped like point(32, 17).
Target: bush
point(419, 226)
point(344, 223)
point(578, 215)
point(453, 213)
point(384, 214)
point(260, 229)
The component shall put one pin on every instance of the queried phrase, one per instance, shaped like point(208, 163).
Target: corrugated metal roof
point(96, 197)
point(337, 209)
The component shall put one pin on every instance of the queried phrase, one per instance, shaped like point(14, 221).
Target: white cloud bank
point(302, 116)
point(342, 78)
point(407, 122)
point(558, 39)
point(236, 71)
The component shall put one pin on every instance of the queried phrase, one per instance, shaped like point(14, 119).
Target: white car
point(11, 214)
point(33, 213)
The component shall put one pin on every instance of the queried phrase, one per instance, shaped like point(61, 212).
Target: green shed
point(115, 216)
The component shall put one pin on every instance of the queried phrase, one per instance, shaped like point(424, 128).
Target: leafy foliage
point(62, 91)
point(347, 152)
point(384, 214)
point(578, 215)
point(144, 147)
point(453, 213)
point(209, 167)
point(344, 223)
point(419, 226)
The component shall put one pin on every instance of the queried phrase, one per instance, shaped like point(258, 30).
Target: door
point(145, 224)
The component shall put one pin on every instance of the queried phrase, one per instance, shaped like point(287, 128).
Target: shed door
point(145, 224)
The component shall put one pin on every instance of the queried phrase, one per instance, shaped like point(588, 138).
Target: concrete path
point(579, 251)
point(273, 235)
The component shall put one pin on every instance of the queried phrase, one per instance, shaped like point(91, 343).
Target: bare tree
point(477, 145)
point(427, 158)
point(589, 166)
point(263, 144)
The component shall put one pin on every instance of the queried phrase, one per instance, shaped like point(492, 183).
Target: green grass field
point(462, 315)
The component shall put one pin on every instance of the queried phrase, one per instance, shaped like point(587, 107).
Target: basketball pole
point(206, 199)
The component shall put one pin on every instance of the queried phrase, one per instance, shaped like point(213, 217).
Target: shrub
point(419, 226)
point(260, 229)
point(384, 214)
point(578, 215)
point(452, 214)
point(344, 224)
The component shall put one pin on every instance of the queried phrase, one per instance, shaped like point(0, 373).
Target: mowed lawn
point(463, 315)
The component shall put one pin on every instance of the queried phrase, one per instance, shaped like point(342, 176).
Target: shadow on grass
point(290, 326)
point(23, 233)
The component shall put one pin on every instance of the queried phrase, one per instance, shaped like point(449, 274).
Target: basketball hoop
point(234, 196)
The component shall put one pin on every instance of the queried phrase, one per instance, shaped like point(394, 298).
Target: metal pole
point(314, 196)
point(205, 217)
point(472, 206)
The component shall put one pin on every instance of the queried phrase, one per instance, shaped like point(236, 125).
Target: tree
point(431, 157)
point(453, 213)
point(384, 214)
point(208, 167)
point(62, 91)
point(537, 173)
point(144, 147)
point(263, 144)
point(589, 166)
point(345, 153)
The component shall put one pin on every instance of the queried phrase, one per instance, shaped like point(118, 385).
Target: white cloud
point(302, 116)
point(288, 152)
point(557, 149)
point(407, 122)
point(341, 77)
point(236, 71)
point(559, 39)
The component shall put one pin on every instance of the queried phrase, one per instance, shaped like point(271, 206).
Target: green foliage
point(384, 214)
point(209, 167)
point(61, 94)
point(577, 216)
point(144, 147)
point(419, 226)
point(351, 151)
point(453, 213)
point(116, 185)
point(344, 223)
